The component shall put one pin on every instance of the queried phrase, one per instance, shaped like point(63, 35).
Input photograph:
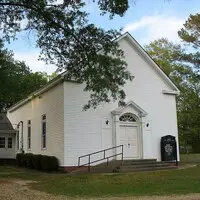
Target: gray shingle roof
point(5, 123)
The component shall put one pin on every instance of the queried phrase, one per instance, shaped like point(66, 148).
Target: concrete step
point(126, 166)
point(152, 168)
point(145, 165)
point(138, 162)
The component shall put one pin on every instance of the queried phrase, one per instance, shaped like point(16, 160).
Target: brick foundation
point(69, 169)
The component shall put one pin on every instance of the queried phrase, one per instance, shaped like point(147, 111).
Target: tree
point(190, 34)
point(171, 58)
point(191, 31)
point(66, 38)
point(16, 79)
point(49, 77)
point(189, 113)
point(166, 54)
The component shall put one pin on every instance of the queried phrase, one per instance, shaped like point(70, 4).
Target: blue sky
point(146, 20)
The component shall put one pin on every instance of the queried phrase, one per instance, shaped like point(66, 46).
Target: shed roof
point(5, 123)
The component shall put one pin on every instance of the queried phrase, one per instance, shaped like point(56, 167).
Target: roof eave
point(171, 92)
point(36, 93)
point(8, 131)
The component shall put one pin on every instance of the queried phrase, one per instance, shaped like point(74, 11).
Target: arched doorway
point(129, 135)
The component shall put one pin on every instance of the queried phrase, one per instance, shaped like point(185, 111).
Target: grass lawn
point(5, 169)
point(183, 181)
point(190, 158)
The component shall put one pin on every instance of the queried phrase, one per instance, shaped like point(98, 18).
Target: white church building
point(53, 121)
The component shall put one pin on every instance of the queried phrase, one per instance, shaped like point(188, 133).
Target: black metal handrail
point(104, 156)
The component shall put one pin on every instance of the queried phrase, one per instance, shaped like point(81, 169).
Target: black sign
point(168, 148)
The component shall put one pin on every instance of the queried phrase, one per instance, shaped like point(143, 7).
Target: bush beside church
point(37, 161)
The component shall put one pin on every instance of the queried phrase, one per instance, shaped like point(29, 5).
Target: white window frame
point(29, 134)
point(17, 140)
point(4, 143)
point(11, 143)
point(44, 133)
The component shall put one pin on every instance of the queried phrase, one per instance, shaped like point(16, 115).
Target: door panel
point(124, 139)
point(132, 133)
point(129, 138)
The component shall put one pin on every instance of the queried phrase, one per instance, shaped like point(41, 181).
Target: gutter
point(8, 131)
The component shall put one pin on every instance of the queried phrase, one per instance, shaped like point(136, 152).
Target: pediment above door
point(130, 107)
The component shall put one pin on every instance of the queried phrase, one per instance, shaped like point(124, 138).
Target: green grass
point(146, 183)
point(132, 184)
point(6, 169)
point(190, 158)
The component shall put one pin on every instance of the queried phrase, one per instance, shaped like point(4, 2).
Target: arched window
point(127, 117)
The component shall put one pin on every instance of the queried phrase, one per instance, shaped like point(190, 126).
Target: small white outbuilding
point(7, 138)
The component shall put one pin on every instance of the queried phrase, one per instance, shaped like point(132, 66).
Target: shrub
point(37, 161)
point(49, 163)
point(19, 159)
point(23, 160)
point(29, 160)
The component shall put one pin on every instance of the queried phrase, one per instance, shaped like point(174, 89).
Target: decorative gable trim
point(148, 58)
point(170, 92)
point(120, 109)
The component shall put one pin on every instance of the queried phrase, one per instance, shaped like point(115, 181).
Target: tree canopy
point(166, 54)
point(190, 34)
point(171, 58)
point(16, 79)
point(88, 53)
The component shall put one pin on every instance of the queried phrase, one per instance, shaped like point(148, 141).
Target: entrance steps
point(144, 165)
point(118, 166)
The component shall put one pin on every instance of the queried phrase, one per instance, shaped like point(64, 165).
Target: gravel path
point(18, 190)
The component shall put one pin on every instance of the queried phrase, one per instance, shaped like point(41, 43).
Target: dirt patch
point(19, 190)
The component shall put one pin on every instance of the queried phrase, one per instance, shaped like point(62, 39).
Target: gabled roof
point(120, 109)
point(61, 77)
point(5, 125)
point(148, 58)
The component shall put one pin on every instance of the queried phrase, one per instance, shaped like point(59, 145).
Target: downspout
point(22, 136)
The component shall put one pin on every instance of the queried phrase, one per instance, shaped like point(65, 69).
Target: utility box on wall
point(168, 148)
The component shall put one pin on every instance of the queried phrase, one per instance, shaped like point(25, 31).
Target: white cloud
point(31, 59)
point(155, 27)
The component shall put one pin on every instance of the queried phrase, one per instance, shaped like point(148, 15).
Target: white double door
point(129, 138)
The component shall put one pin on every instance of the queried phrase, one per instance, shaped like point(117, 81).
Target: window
point(43, 131)
point(17, 140)
point(29, 135)
point(9, 143)
point(2, 142)
point(127, 117)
